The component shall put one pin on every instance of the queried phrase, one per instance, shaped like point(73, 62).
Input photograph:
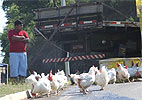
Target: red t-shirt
point(17, 46)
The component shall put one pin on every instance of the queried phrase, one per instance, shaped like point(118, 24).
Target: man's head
point(18, 25)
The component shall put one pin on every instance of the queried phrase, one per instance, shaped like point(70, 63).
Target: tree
point(18, 10)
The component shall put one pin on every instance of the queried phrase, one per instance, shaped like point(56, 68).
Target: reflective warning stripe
point(87, 57)
point(113, 23)
point(105, 23)
point(69, 24)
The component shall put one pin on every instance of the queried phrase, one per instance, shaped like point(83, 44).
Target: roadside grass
point(6, 89)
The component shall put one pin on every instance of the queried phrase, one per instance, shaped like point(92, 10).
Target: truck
point(81, 30)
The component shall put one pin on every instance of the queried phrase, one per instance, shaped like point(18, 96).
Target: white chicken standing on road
point(133, 70)
point(54, 83)
point(74, 78)
point(39, 85)
point(102, 78)
point(86, 80)
point(61, 78)
point(112, 75)
point(123, 73)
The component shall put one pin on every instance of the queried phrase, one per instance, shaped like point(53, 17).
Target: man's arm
point(26, 40)
point(20, 38)
point(17, 38)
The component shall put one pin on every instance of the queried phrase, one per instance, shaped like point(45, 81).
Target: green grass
point(10, 89)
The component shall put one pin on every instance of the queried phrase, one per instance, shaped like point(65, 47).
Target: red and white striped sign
point(87, 57)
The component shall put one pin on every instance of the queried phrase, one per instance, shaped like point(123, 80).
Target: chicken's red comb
point(50, 76)
point(126, 67)
point(118, 64)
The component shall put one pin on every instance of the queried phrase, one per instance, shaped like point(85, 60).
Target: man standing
point(17, 51)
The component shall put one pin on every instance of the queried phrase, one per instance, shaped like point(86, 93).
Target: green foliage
point(23, 10)
point(130, 19)
point(5, 43)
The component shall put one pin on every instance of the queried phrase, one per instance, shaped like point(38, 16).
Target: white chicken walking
point(39, 85)
point(102, 78)
point(112, 75)
point(61, 78)
point(74, 78)
point(86, 80)
point(133, 70)
point(123, 73)
point(55, 83)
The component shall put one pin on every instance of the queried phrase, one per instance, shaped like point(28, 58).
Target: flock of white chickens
point(47, 84)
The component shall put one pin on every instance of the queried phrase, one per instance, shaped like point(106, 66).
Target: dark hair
point(18, 22)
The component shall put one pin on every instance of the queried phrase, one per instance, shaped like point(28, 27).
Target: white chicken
point(140, 70)
point(60, 72)
point(37, 77)
point(74, 78)
point(55, 85)
point(39, 85)
point(133, 71)
point(102, 78)
point(61, 78)
point(112, 75)
point(86, 80)
point(36, 74)
point(123, 73)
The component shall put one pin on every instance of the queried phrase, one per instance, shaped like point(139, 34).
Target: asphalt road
point(122, 91)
